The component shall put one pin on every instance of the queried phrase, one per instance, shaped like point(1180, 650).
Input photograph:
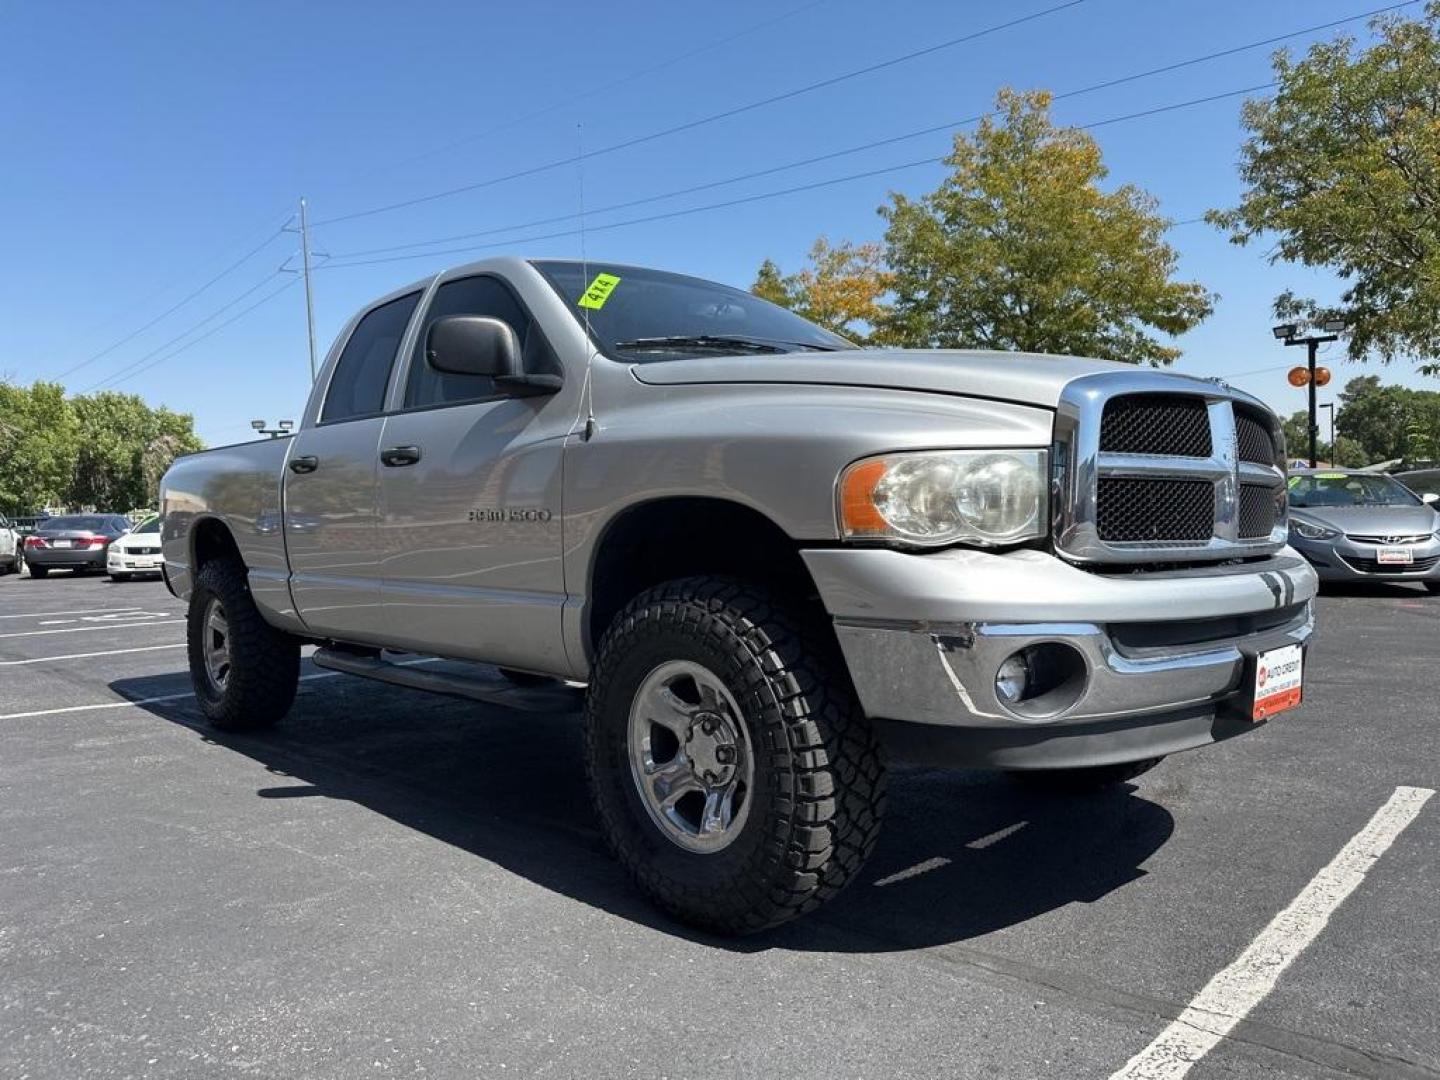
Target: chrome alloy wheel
point(216, 646)
point(690, 756)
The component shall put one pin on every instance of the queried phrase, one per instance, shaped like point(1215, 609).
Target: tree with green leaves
point(108, 450)
point(1021, 247)
point(1342, 170)
point(841, 288)
point(39, 440)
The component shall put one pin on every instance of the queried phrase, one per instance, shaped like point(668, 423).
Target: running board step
point(474, 684)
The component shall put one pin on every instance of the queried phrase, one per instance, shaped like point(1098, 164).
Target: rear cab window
point(362, 374)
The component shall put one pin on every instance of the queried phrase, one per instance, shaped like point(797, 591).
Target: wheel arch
point(682, 536)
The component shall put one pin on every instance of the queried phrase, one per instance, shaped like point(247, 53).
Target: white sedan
point(136, 552)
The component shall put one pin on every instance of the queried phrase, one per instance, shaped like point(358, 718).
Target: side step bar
point(491, 689)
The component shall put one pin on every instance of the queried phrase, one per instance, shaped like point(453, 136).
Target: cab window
point(363, 371)
point(481, 295)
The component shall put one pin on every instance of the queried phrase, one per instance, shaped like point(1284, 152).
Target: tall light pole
point(1289, 333)
point(1331, 406)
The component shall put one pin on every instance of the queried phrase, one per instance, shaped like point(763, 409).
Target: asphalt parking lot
point(392, 883)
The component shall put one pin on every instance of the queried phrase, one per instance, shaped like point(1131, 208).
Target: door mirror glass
point(472, 345)
point(1430, 498)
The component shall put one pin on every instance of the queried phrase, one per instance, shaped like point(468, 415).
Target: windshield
point(77, 523)
point(149, 525)
point(1348, 489)
point(643, 316)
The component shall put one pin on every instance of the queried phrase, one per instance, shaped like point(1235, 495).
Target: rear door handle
point(398, 456)
point(308, 463)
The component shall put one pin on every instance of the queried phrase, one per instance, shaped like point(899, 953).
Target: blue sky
point(148, 147)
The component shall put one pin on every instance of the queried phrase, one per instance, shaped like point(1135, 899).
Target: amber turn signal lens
point(858, 515)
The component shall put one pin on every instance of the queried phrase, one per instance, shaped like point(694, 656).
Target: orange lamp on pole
point(1310, 375)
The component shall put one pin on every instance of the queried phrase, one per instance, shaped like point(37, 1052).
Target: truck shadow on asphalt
point(962, 853)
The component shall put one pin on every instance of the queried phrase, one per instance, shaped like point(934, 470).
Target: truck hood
point(1028, 378)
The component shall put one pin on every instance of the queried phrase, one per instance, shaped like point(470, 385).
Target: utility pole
point(309, 295)
point(1289, 334)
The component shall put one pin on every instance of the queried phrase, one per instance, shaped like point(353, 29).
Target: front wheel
point(1432, 587)
point(245, 672)
point(733, 773)
point(1083, 781)
point(118, 578)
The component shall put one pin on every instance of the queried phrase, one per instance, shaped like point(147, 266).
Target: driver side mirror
point(480, 345)
point(472, 345)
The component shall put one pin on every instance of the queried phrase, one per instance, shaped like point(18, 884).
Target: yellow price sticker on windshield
point(1330, 476)
point(599, 291)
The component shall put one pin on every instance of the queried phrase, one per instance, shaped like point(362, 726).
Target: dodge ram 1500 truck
point(774, 560)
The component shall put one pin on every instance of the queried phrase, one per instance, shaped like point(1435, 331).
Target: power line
point(186, 332)
point(115, 381)
point(712, 118)
point(269, 239)
point(783, 191)
point(605, 88)
point(873, 144)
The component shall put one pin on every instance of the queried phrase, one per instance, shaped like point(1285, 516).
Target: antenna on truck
point(587, 388)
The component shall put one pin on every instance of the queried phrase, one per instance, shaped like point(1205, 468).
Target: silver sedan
point(1356, 526)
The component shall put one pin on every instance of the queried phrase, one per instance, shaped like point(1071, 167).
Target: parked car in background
point(78, 542)
point(137, 552)
point(1355, 526)
point(1423, 482)
point(12, 547)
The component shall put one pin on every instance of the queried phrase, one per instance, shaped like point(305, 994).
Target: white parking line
point(137, 702)
point(97, 626)
point(87, 655)
point(1229, 996)
point(46, 614)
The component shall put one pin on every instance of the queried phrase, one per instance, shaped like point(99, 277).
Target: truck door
point(470, 500)
point(331, 479)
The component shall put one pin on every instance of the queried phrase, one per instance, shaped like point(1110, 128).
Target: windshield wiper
point(717, 341)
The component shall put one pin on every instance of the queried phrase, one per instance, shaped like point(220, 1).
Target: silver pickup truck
point(774, 561)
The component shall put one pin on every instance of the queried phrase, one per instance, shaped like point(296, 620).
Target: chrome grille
point(1260, 508)
point(1253, 439)
point(1361, 538)
point(1137, 479)
point(1173, 425)
point(1130, 509)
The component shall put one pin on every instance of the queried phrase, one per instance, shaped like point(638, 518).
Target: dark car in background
point(78, 542)
point(1358, 526)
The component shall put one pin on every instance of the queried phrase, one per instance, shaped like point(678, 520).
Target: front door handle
point(308, 463)
point(397, 456)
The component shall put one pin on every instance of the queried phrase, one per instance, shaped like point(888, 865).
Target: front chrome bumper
point(1163, 653)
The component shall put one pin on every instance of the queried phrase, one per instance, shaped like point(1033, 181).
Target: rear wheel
point(733, 772)
point(39, 571)
point(19, 564)
point(245, 672)
point(1432, 587)
point(1083, 781)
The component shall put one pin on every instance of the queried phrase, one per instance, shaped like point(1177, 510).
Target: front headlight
point(1311, 531)
point(935, 497)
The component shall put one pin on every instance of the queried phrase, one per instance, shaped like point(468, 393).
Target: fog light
point(1012, 680)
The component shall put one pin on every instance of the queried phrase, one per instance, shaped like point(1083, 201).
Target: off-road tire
point(39, 571)
point(1082, 781)
point(264, 662)
point(818, 795)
